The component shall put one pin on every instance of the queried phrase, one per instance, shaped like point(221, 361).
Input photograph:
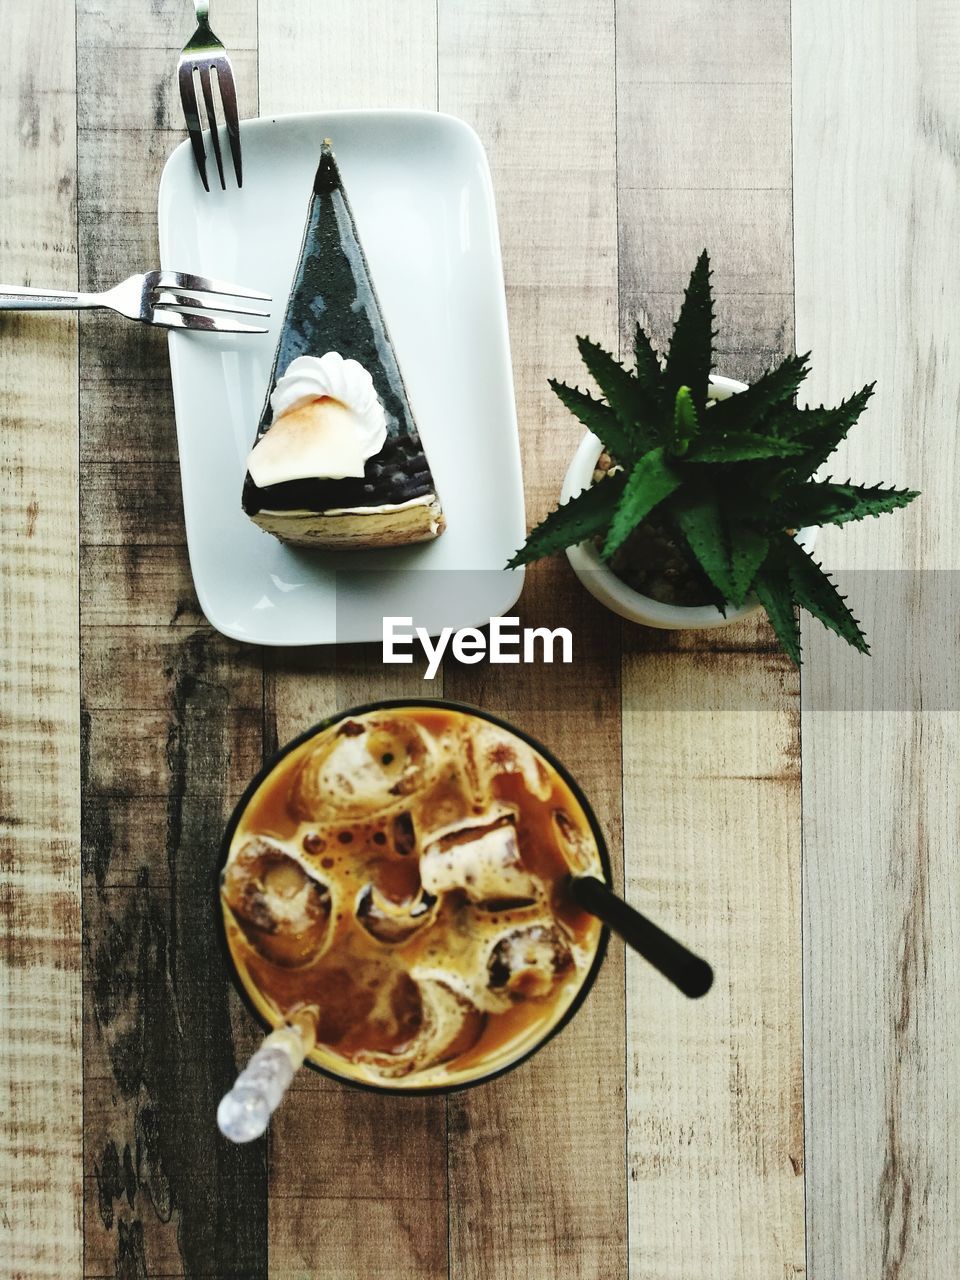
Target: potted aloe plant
point(691, 501)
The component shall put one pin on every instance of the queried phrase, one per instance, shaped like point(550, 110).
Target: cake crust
point(419, 520)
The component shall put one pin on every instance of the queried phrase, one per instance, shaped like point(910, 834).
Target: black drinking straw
point(693, 976)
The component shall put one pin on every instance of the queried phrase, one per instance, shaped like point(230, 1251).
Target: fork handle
point(15, 297)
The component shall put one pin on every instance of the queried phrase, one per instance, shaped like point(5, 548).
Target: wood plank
point(172, 720)
point(877, 224)
point(149, 586)
point(40, 939)
point(134, 563)
point(536, 1159)
point(347, 55)
point(712, 781)
point(131, 119)
point(132, 504)
point(537, 1175)
point(382, 1212)
point(715, 1088)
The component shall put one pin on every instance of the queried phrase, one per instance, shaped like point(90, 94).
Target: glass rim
point(448, 704)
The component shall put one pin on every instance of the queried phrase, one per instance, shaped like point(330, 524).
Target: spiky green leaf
point(746, 410)
point(775, 593)
point(819, 422)
point(623, 395)
point(742, 446)
point(823, 502)
point(813, 589)
point(600, 419)
point(586, 516)
point(647, 369)
point(686, 424)
point(748, 550)
point(820, 430)
point(651, 480)
point(702, 525)
point(690, 357)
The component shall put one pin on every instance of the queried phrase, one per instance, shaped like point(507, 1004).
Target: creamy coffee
point(400, 880)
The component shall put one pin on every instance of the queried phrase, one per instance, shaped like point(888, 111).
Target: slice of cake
point(338, 461)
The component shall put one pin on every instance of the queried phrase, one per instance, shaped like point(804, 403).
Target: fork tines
point(169, 298)
point(174, 304)
point(171, 319)
point(202, 55)
point(204, 284)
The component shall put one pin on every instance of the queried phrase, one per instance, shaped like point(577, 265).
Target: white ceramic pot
point(604, 585)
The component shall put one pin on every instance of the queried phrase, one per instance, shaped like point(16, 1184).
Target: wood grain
point(347, 55)
point(711, 720)
point(537, 1158)
point(715, 1088)
point(878, 228)
point(40, 957)
point(172, 719)
point(381, 1212)
point(358, 1181)
point(622, 139)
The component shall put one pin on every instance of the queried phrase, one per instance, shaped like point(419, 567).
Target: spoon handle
point(685, 970)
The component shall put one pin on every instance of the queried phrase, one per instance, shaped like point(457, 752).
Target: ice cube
point(526, 963)
point(278, 903)
point(363, 768)
point(393, 922)
point(492, 752)
point(449, 1025)
point(482, 857)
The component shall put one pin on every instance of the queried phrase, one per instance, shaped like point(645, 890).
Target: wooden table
point(801, 1120)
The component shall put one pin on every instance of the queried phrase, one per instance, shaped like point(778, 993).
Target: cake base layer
point(419, 520)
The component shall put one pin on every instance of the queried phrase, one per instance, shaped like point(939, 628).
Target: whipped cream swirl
point(327, 423)
point(315, 377)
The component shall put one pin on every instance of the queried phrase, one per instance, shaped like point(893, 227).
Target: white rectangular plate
point(420, 189)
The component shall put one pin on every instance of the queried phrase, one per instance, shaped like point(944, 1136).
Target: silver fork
point(155, 298)
point(202, 54)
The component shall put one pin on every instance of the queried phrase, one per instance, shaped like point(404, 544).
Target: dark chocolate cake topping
point(333, 306)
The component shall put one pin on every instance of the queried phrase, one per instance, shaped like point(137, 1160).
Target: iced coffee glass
point(397, 879)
